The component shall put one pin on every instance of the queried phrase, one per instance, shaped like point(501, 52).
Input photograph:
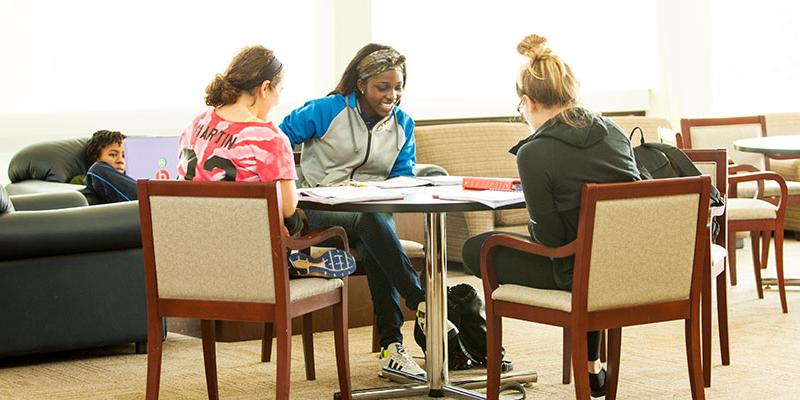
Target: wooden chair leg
point(341, 346)
point(266, 342)
point(210, 357)
point(283, 336)
point(722, 318)
point(566, 358)
point(705, 320)
point(692, 333)
point(603, 345)
point(580, 356)
point(494, 341)
point(754, 244)
point(732, 256)
point(779, 267)
point(376, 340)
point(154, 348)
point(308, 347)
point(766, 236)
point(612, 367)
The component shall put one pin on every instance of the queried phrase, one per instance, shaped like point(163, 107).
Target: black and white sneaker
point(395, 357)
point(335, 263)
point(452, 331)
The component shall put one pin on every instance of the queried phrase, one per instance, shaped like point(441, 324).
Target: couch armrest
point(429, 170)
point(27, 234)
point(48, 201)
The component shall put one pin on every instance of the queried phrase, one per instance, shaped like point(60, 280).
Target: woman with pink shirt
point(234, 140)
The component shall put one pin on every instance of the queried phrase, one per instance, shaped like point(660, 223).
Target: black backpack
point(467, 347)
point(662, 160)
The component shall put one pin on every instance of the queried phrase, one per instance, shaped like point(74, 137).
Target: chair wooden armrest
point(513, 242)
point(736, 168)
point(764, 176)
point(316, 237)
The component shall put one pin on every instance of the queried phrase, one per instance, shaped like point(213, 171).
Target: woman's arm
point(546, 226)
point(407, 158)
point(312, 120)
point(288, 197)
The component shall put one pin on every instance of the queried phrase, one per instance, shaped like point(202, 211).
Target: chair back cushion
point(212, 248)
point(708, 168)
point(471, 149)
point(642, 250)
point(53, 161)
point(723, 136)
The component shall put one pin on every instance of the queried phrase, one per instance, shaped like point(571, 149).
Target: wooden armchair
point(218, 251)
point(757, 200)
point(714, 162)
point(612, 286)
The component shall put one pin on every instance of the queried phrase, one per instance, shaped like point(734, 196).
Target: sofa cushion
point(453, 147)
point(54, 161)
point(511, 217)
point(5, 202)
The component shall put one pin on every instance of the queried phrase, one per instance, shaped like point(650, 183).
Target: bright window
point(149, 54)
point(462, 57)
point(755, 58)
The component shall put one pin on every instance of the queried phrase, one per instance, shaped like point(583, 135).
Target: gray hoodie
point(555, 162)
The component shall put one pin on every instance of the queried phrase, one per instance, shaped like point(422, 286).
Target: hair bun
point(532, 46)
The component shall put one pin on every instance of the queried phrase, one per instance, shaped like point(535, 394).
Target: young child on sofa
point(106, 176)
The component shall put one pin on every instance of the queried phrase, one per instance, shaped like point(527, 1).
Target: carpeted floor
point(764, 359)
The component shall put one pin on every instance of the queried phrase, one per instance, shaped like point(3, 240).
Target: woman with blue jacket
point(358, 133)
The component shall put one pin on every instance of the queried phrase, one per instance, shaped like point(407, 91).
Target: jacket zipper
point(366, 156)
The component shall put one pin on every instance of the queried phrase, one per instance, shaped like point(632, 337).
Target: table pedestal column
point(435, 273)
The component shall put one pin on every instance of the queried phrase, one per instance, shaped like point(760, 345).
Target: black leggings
point(517, 267)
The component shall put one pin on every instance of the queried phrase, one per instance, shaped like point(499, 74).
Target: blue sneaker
point(335, 263)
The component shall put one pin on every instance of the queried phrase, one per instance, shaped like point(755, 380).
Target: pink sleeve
point(279, 161)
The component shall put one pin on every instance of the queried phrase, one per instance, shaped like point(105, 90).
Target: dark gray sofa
point(48, 167)
point(71, 276)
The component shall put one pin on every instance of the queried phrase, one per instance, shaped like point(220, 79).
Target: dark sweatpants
point(517, 267)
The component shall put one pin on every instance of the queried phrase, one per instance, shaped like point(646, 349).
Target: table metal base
point(774, 282)
point(417, 386)
point(437, 383)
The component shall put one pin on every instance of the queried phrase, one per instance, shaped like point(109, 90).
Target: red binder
point(480, 183)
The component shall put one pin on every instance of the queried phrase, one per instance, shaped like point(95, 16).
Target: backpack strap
point(641, 133)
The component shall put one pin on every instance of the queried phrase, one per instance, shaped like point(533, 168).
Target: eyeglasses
point(519, 109)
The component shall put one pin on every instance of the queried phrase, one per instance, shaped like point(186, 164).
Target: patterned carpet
point(764, 359)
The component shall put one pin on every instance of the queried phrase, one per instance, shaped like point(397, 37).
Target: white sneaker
point(395, 357)
point(421, 308)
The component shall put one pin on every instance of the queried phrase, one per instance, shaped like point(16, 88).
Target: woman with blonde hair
point(570, 146)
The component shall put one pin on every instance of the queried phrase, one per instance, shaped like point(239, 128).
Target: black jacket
point(555, 162)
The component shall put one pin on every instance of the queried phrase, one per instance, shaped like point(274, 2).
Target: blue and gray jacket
point(338, 146)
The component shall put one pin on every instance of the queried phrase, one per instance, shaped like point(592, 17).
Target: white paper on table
point(347, 194)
